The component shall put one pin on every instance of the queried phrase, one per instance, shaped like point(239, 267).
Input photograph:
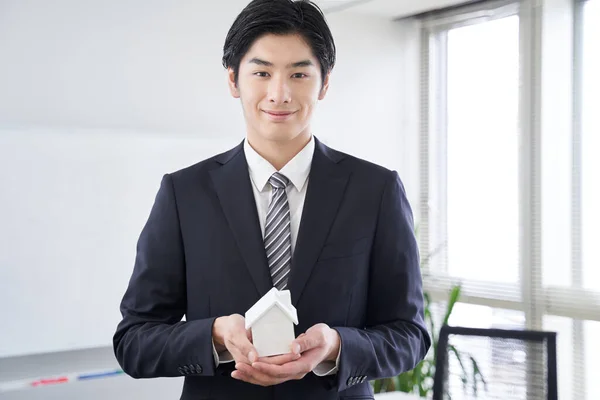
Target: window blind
point(509, 149)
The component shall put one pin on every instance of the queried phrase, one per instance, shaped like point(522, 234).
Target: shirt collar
point(296, 170)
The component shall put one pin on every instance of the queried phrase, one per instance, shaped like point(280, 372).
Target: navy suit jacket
point(200, 255)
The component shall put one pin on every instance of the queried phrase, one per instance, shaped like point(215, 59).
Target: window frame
point(530, 295)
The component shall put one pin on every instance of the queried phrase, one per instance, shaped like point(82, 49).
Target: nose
point(279, 91)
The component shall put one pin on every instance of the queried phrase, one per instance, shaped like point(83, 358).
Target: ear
point(233, 89)
point(323, 91)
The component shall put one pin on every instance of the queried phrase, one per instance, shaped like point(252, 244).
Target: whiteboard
point(72, 205)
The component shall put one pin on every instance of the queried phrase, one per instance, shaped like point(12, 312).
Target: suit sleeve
point(395, 338)
point(151, 340)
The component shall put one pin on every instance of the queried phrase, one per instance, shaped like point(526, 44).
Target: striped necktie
point(278, 244)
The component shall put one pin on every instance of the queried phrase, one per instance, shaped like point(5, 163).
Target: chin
point(280, 135)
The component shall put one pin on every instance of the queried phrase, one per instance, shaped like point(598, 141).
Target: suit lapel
point(233, 187)
point(326, 185)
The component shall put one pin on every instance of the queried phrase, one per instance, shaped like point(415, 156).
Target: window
point(482, 151)
point(591, 335)
point(471, 145)
point(509, 152)
point(590, 145)
point(476, 316)
point(565, 356)
point(496, 360)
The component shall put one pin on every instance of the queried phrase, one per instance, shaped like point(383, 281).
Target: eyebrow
point(303, 63)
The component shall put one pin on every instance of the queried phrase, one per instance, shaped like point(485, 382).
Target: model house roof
point(274, 298)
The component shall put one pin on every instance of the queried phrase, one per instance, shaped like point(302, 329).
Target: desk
point(114, 388)
point(50, 365)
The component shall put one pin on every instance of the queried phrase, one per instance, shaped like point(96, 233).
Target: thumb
point(249, 351)
point(252, 356)
point(245, 347)
point(304, 343)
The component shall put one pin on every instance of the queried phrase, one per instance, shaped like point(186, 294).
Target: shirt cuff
point(223, 357)
point(328, 367)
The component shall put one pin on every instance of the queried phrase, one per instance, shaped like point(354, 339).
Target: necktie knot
point(279, 181)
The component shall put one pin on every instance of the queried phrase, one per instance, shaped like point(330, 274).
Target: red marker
point(52, 381)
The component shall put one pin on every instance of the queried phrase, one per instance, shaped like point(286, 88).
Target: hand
point(319, 343)
point(230, 333)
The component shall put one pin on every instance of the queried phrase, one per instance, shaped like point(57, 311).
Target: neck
point(279, 153)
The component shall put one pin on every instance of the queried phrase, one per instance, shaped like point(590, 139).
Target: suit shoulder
point(364, 168)
point(203, 167)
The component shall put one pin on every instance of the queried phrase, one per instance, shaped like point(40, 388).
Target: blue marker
point(99, 375)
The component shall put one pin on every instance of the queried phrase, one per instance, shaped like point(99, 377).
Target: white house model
point(271, 321)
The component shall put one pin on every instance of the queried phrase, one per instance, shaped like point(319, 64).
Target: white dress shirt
point(296, 170)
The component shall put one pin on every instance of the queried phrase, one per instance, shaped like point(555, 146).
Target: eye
point(261, 74)
point(299, 75)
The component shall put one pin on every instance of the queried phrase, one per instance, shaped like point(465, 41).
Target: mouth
point(279, 115)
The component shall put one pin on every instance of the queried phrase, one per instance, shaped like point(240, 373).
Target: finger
point(267, 382)
point(237, 354)
point(255, 376)
point(285, 371)
point(280, 359)
point(239, 357)
point(295, 346)
point(306, 342)
point(299, 367)
point(239, 375)
point(310, 359)
point(244, 348)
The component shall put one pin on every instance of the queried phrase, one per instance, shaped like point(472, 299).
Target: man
point(279, 210)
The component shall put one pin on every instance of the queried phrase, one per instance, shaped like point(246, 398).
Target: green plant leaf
point(398, 383)
point(384, 385)
point(477, 373)
point(377, 386)
point(405, 382)
point(387, 385)
point(391, 385)
point(454, 296)
point(464, 374)
point(418, 375)
point(429, 317)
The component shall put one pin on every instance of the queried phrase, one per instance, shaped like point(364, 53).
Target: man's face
point(279, 84)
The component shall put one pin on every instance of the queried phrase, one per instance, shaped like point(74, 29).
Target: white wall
point(372, 108)
point(73, 206)
point(153, 68)
point(141, 65)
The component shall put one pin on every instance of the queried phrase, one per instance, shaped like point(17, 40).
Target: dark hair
point(280, 17)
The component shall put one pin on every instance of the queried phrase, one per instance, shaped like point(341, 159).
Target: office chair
point(475, 363)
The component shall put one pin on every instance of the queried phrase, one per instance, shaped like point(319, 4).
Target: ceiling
point(385, 8)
